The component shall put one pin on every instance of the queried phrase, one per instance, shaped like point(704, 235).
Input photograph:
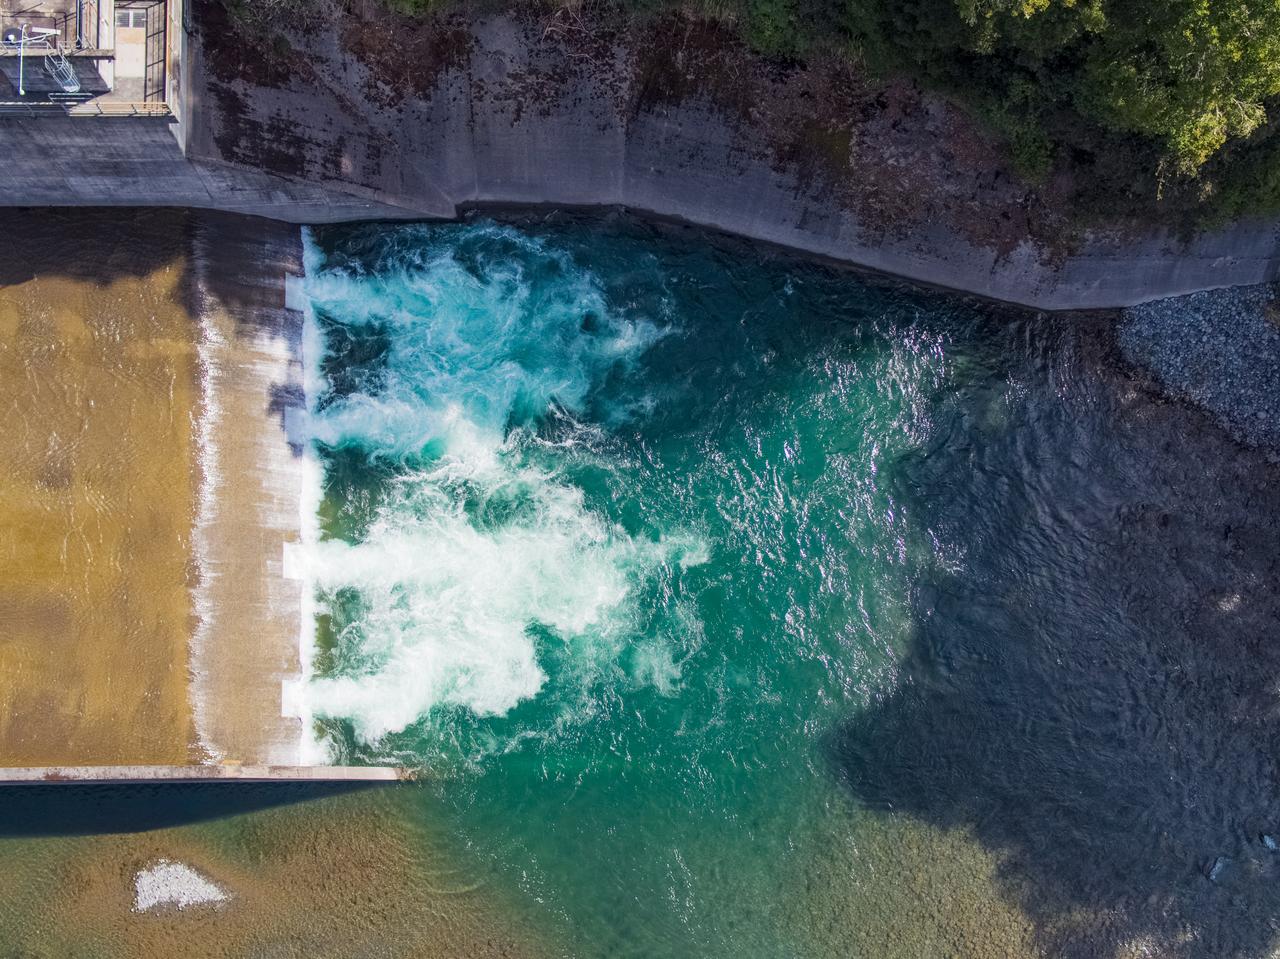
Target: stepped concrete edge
point(38, 775)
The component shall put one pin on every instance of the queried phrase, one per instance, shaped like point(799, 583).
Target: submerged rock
point(168, 883)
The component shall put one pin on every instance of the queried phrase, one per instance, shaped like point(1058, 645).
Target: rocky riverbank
point(1220, 350)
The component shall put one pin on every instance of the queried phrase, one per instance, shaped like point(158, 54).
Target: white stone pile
point(169, 883)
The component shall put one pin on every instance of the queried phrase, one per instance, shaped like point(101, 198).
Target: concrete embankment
point(65, 161)
point(499, 110)
point(47, 775)
point(498, 113)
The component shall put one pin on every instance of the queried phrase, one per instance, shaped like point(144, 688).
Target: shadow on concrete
point(239, 260)
point(64, 809)
point(242, 261)
point(1093, 691)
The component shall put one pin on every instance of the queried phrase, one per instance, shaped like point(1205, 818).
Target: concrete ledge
point(36, 775)
point(122, 160)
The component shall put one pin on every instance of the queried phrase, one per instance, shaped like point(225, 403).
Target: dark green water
point(617, 545)
point(688, 569)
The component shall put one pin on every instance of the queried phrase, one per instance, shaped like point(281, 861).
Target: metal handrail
point(117, 108)
point(87, 108)
point(59, 67)
point(39, 37)
point(10, 108)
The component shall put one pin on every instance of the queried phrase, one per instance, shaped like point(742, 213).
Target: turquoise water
point(613, 539)
point(682, 566)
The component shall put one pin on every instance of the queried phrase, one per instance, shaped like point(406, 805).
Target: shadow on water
point(240, 260)
point(80, 810)
point(94, 244)
point(1093, 693)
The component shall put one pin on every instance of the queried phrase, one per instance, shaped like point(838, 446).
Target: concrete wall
point(516, 121)
point(323, 134)
point(137, 161)
point(48, 775)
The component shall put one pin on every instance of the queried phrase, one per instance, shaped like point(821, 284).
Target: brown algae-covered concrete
point(98, 388)
point(148, 489)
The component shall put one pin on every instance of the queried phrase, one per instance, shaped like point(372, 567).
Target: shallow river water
point(734, 605)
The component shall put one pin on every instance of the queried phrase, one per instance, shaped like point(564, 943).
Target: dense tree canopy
point(1188, 74)
point(1178, 81)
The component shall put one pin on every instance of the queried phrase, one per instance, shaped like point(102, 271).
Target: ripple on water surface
point(738, 606)
point(692, 569)
point(98, 391)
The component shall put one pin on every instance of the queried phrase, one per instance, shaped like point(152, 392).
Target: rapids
point(732, 601)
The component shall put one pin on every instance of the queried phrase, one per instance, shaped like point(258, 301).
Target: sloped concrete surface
point(518, 121)
point(136, 161)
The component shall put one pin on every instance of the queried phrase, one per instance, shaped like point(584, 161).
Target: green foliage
point(1190, 73)
point(1030, 146)
point(770, 26)
point(1188, 76)
point(1248, 183)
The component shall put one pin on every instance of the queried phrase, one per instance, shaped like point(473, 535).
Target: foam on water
point(612, 537)
point(478, 549)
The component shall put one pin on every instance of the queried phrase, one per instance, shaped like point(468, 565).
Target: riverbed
point(733, 605)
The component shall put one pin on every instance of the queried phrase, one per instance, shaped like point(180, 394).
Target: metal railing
point(88, 108)
point(117, 108)
point(59, 68)
point(79, 29)
point(20, 108)
point(30, 42)
point(88, 25)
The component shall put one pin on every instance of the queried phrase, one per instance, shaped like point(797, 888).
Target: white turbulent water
point(448, 594)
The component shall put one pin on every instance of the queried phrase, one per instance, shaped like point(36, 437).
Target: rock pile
point(1220, 349)
point(168, 883)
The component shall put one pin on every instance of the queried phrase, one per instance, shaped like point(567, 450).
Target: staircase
point(59, 67)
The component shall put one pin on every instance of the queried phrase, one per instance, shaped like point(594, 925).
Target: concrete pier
point(43, 775)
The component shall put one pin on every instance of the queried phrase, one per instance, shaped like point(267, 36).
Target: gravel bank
point(168, 883)
point(1220, 349)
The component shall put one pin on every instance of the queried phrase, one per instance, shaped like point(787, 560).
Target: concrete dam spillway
point(687, 568)
point(151, 367)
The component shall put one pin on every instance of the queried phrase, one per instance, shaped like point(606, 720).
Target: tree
point(1189, 73)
